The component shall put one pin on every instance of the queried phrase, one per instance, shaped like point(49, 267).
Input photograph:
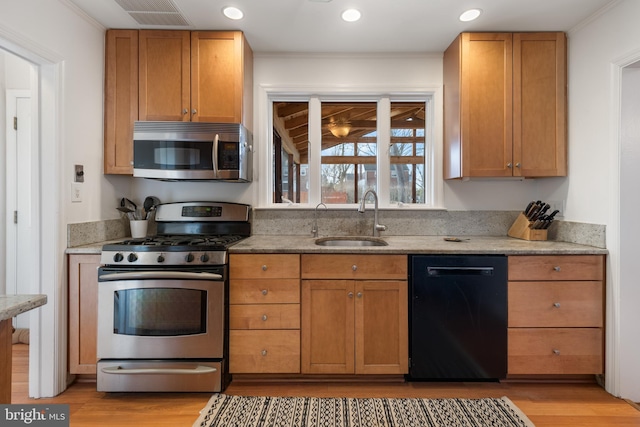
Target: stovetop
point(176, 243)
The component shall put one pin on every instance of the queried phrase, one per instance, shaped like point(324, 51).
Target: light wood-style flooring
point(566, 405)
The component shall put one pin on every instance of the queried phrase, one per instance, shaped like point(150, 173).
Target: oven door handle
point(119, 370)
point(149, 275)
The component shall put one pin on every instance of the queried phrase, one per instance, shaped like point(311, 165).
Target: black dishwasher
point(458, 317)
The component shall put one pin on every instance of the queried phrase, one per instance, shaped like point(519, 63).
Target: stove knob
point(160, 258)
point(189, 258)
point(118, 257)
point(132, 257)
point(204, 258)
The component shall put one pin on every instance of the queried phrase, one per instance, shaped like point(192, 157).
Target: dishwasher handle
point(459, 271)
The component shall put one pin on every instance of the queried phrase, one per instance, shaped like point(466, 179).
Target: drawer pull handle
point(556, 352)
point(354, 267)
point(263, 352)
point(264, 292)
point(556, 304)
point(556, 268)
point(264, 317)
point(350, 294)
point(264, 268)
point(359, 294)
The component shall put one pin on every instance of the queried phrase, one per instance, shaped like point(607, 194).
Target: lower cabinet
point(83, 312)
point(353, 322)
point(264, 314)
point(556, 315)
point(354, 327)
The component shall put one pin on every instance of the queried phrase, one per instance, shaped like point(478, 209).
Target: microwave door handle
point(150, 275)
point(214, 155)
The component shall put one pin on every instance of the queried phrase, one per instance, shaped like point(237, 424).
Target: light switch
point(76, 192)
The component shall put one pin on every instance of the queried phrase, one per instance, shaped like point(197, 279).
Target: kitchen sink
point(350, 241)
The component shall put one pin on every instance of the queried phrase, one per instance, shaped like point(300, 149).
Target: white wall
point(601, 153)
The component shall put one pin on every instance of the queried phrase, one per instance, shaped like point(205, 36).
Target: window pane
point(407, 152)
point(290, 152)
point(349, 146)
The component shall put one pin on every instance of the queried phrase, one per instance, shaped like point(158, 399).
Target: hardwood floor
point(567, 405)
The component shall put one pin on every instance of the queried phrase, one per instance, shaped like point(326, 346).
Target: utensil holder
point(521, 230)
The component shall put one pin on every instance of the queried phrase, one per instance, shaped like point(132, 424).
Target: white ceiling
point(386, 25)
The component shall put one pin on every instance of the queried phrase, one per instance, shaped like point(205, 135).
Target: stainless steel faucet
point(377, 228)
point(314, 230)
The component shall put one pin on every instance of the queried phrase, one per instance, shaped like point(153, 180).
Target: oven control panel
point(163, 258)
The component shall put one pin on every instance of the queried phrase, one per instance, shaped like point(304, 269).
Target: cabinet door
point(486, 95)
point(216, 76)
point(381, 327)
point(164, 75)
point(327, 327)
point(539, 104)
point(83, 320)
point(121, 100)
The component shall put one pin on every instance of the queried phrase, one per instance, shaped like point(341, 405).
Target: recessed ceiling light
point(232, 12)
point(351, 15)
point(470, 15)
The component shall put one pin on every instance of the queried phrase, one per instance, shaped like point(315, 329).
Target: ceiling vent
point(154, 12)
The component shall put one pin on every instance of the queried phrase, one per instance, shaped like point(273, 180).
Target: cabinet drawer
point(268, 291)
point(264, 316)
point(559, 304)
point(264, 351)
point(555, 351)
point(558, 267)
point(340, 266)
point(264, 266)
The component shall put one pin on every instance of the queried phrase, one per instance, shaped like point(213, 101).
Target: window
point(374, 143)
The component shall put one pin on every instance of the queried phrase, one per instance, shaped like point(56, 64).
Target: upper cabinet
point(204, 76)
point(505, 105)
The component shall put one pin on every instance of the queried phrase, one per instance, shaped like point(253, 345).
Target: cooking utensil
point(149, 205)
point(126, 203)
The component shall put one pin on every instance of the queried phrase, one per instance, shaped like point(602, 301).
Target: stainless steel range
point(162, 301)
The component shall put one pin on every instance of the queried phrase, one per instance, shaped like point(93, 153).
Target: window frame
point(432, 144)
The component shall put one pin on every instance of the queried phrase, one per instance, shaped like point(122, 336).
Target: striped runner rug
point(261, 411)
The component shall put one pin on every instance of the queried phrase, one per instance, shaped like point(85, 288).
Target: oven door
point(161, 315)
point(175, 159)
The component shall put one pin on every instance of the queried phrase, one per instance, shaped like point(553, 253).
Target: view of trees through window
point(350, 147)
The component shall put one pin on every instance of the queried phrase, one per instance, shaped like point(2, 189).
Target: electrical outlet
point(76, 192)
point(557, 204)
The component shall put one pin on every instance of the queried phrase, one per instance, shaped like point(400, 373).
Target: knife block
point(521, 230)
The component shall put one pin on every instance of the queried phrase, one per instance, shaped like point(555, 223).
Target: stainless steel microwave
point(192, 151)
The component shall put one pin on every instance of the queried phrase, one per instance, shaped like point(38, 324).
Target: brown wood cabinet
point(174, 76)
point(354, 314)
point(505, 105)
point(264, 313)
point(556, 314)
point(83, 316)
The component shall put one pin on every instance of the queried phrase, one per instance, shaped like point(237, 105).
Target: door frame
point(48, 335)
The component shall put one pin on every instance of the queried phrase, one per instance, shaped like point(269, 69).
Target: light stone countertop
point(12, 305)
point(416, 245)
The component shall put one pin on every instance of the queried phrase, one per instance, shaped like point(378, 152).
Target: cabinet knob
point(350, 294)
point(359, 294)
point(517, 165)
point(264, 317)
point(556, 268)
point(556, 304)
point(264, 292)
point(263, 352)
point(264, 268)
point(354, 267)
point(509, 165)
point(185, 111)
point(556, 352)
point(194, 112)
